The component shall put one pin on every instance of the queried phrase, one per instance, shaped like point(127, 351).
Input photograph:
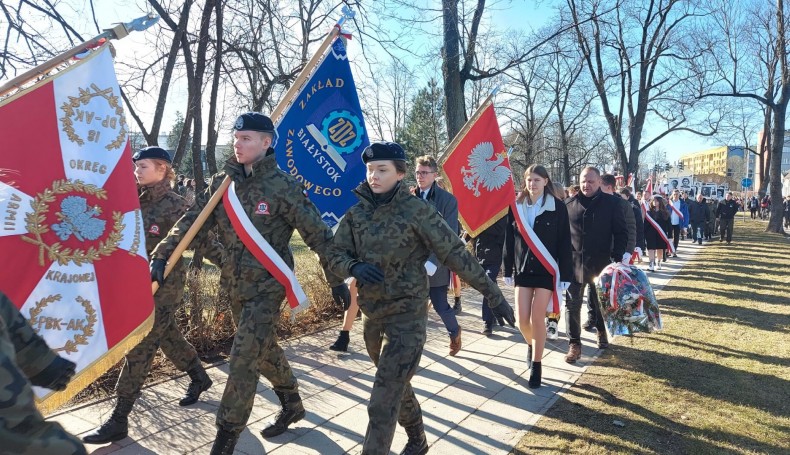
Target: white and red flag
point(477, 171)
point(72, 241)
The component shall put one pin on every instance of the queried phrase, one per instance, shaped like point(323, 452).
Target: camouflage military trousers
point(395, 348)
point(255, 352)
point(164, 334)
point(23, 429)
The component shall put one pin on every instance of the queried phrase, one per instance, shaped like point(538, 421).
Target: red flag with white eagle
point(72, 240)
point(477, 171)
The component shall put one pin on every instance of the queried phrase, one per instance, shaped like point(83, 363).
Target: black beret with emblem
point(153, 152)
point(379, 151)
point(254, 121)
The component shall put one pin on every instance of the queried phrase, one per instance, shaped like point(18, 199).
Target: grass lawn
point(715, 380)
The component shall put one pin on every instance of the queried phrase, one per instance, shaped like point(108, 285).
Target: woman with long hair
point(547, 215)
point(655, 243)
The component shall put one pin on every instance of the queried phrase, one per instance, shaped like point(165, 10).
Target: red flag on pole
point(72, 242)
point(477, 171)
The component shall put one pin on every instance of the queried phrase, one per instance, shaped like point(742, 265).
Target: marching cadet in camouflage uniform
point(275, 204)
point(383, 241)
point(23, 355)
point(161, 207)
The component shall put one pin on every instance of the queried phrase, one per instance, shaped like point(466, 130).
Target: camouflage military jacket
point(398, 236)
point(32, 352)
point(276, 203)
point(161, 207)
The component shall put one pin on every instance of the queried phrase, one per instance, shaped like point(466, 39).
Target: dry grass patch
point(716, 380)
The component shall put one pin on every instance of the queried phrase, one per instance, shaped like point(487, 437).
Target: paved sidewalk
point(476, 402)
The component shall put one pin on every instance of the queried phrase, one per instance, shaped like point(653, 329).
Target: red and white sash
point(658, 228)
point(539, 249)
point(674, 209)
point(264, 252)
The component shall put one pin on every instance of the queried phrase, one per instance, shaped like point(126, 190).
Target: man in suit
point(599, 235)
point(447, 206)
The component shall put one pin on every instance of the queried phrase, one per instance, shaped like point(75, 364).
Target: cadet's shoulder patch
point(262, 208)
point(154, 229)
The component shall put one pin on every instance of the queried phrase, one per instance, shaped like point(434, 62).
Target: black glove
point(158, 271)
point(341, 295)
point(505, 312)
point(367, 273)
point(56, 375)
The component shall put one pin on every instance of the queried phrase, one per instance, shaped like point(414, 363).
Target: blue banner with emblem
point(322, 135)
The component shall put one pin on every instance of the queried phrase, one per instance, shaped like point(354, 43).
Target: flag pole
point(119, 31)
point(468, 125)
point(191, 233)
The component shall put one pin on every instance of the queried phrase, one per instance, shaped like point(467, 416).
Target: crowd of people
point(394, 251)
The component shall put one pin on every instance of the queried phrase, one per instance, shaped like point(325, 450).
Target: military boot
point(115, 428)
point(417, 443)
point(224, 443)
point(200, 383)
point(292, 412)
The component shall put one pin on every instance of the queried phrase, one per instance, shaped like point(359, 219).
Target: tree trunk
point(453, 83)
point(196, 99)
point(775, 169)
point(213, 133)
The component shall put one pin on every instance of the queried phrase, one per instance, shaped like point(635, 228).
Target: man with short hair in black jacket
point(698, 216)
point(599, 235)
point(726, 212)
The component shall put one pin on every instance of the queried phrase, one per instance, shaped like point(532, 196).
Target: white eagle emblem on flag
point(486, 169)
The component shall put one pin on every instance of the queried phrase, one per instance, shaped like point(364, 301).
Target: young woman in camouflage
point(383, 241)
point(161, 207)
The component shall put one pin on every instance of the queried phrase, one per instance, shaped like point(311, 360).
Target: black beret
point(254, 121)
point(152, 152)
point(379, 151)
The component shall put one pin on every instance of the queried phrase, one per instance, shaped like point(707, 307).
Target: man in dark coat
point(698, 217)
point(447, 206)
point(599, 235)
point(726, 212)
point(488, 247)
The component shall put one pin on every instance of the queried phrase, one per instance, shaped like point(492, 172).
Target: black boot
point(224, 443)
point(115, 428)
point(292, 412)
point(417, 443)
point(534, 376)
point(457, 305)
point(200, 383)
point(341, 344)
point(529, 356)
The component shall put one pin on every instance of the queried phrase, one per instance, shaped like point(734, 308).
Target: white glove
point(626, 258)
point(638, 251)
point(564, 285)
point(509, 281)
point(430, 267)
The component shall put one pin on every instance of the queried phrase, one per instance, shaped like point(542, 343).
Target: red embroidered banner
point(72, 239)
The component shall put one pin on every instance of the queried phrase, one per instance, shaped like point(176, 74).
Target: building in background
point(722, 165)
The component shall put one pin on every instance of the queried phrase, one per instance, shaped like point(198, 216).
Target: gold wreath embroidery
point(136, 240)
point(84, 98)
point(79, 338)
point(56, 252)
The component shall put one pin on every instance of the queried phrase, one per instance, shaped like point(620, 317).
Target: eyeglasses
point(423, 173)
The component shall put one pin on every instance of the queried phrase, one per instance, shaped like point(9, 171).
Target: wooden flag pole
point(467, 126)
point(276, 113)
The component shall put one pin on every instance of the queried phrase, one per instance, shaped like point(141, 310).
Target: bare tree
point(749, 61)
point(636, 55)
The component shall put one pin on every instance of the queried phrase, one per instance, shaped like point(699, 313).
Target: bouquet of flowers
point(627, 300)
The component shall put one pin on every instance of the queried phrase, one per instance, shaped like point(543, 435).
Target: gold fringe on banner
point(92, 372)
